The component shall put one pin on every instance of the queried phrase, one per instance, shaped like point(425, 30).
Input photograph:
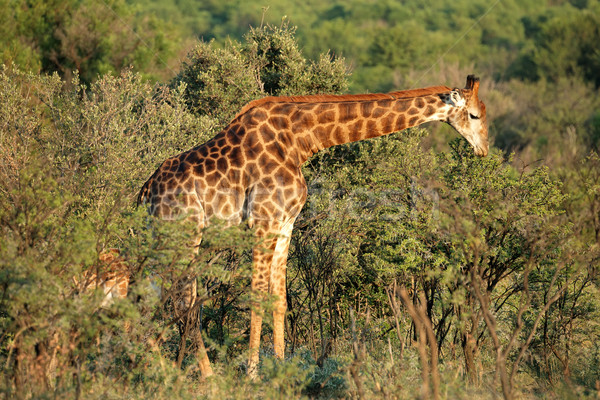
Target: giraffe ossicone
point(250, 171)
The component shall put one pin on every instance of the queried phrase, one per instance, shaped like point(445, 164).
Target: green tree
point(564, 43)
point(267, 63)
point(88, 37)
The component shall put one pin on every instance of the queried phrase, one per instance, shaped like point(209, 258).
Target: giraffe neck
point(322, 125)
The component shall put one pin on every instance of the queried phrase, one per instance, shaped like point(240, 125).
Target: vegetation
point(416, 269)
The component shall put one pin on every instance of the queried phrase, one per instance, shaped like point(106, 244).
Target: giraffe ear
point(473, 85)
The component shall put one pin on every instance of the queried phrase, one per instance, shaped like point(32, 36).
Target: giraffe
point(250, 171)
point(112, 276)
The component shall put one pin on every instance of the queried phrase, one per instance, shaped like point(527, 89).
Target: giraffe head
point(467, 115)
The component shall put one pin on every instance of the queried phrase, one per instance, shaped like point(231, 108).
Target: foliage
point(267, 63)
point(88, 37)
point(499, 254)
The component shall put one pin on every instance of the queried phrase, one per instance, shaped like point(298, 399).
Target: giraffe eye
point(473, 116)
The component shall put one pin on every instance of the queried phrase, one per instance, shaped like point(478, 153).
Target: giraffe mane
point(332, 98)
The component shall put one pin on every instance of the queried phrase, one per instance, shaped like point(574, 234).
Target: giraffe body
point(251, 172)
point(112, 276)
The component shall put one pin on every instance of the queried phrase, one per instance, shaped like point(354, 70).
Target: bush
point(498, 260)
point(219, 82)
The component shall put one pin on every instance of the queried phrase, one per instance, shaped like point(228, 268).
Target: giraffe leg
point(278, 287)
point(186, 299)
point(262, 258)
point(201, 354)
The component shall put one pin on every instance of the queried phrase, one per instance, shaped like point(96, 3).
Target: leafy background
point(415, 268)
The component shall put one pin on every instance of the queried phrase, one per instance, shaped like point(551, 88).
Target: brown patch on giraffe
point(253, 145)
point(226, 209)
point(209, 192)
point(401, 106)
point(225, 150)
point(212, 178)
point(326, 117)
point(302, 121)
point(339, 135)
point(276, 151)
point(267, 133)
point(192, 157)
point(267, 182)
point(282, 108)
point(234, 175)
point(378, 112)
point(279, 123)
point(258, 115)
point(400, 123)
point(188, 185)
point(366, 108)
point(170, 197)
point(183, 168)
point(270, 166)
point(413, 121)
point(429, 111)
point(347, 112)
point(303, 144)
point(236, 157)
point(202, 151)
point(324, 108)
point(232, 127)
point(284, 176)
point(199, 169)
point(288, 192)
point(387, 125)
point(249, 174)
point(286, 139)
point(419, 102)
point(234, 138)
point(413, 111)
point(371, 126)
point(320, 131)
point(162, 186)
point(357, 126)
point(209, 165)
point(222, 164)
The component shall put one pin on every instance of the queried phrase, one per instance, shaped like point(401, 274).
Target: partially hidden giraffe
point(111, 274)
point(250, 171)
